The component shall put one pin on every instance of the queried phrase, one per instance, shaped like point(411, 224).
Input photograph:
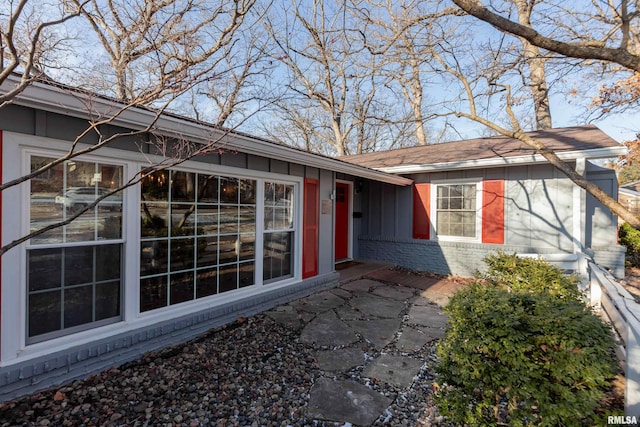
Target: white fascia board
point(628, 192)
point(63, 101)
point(597, 153)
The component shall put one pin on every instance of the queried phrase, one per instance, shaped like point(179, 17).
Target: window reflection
point(75, 283)
point(198, 236)
point(68, 189)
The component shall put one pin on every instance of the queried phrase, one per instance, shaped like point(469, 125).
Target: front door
point(342, 221)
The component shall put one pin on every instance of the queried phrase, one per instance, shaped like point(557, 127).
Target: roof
point(569, 143)
point(77, 103)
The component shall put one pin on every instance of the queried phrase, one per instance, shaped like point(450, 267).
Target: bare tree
point(399, 34)
point(160, 50)
point(329, 70)
point(29, 37)
point(154, 45)
point(478, 86)
point(618, 43)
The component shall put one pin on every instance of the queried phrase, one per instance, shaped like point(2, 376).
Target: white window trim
point(433, 214)
point(15, 222)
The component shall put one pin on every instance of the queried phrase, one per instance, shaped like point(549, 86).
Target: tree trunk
point(537, 76)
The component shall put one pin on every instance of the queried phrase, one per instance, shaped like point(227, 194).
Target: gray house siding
point(26, 376)
point(538, 218)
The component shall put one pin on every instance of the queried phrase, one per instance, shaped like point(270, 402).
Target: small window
point(278, 231)
point(456, 210)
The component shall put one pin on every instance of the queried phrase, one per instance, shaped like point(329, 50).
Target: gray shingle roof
point(577, 138)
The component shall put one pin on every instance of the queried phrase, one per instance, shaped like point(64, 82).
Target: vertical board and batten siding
point(81, 360)
point(539, 208)
point(537, 213)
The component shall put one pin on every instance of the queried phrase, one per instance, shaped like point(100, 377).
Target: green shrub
point(531, 275)
point(630, 237)
point(521, 357)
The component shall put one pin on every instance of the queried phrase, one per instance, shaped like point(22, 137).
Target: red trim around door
point(310, 228)
point(342, 221)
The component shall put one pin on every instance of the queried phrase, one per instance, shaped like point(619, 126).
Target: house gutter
point(65, 101)
point(596, 153)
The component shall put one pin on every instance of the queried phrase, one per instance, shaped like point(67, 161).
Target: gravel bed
point(251, 373)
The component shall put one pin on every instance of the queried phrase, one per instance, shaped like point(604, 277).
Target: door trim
point(349, 185)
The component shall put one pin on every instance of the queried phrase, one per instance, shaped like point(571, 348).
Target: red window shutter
point(493, 211)
point(421, 203)
point(310, 228)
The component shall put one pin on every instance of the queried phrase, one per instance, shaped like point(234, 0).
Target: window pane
point(154, 257)
point(108, 262)
point(110, 222)
point(181, 287)
point(44, 312)
point(228, 219)
point(469, 230)
point(228, 190)
point(247, 219)
point(207, 189)
point(207, 251)
point(183, 220)
point(107, 300)
point(206, 282)
point(277, 255)
point(182, 254)
point(83, 228)
point(183, 187)
point(247, 191)
point(153, 293)
point(66, 190)
point(228, 249)
point(154, 219)
point(155, 186)
point(228, 278)
point(78, 265)
point(247, 246)
point(44, 269)
point(45, 209)
point(207, 218)
point(78, 306)
point(247, 274)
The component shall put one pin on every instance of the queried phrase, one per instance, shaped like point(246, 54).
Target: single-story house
point(473, 197)
point(245, 228)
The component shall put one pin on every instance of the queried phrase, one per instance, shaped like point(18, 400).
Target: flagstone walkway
point(371, 337)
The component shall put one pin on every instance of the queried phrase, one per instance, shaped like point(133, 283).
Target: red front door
point(342, 221)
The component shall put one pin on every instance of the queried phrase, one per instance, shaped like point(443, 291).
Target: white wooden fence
point(618, 307)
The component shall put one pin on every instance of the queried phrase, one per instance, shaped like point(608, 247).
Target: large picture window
point(198, 235)
point(456, 210)
point(74, 273)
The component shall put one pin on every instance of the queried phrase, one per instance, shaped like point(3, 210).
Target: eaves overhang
point(65, 101)
point(593, 154)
